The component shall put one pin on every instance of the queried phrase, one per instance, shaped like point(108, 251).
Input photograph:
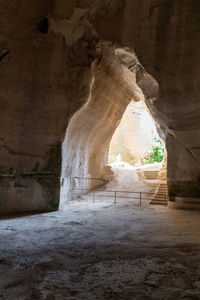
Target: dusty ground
point(128, 179)
point(101, 251)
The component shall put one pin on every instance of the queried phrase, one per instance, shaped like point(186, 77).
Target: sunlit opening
point(136, 141)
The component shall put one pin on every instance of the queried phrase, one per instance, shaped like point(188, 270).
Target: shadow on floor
point(22, 215)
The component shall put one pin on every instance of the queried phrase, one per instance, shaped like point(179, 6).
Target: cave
point(69, 70)
point(85, 148)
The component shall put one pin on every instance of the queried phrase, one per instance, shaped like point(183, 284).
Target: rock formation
point(56, 59)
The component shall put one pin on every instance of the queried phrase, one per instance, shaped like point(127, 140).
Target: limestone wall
point(47, 48)
point(38, 80)
point(85, 149)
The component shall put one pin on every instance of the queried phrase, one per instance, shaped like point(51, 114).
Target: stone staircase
point(161, 196)
point(151, 175)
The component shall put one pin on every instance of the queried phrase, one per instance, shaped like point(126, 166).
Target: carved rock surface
point(46, 76)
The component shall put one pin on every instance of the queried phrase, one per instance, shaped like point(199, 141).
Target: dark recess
point(43, 26)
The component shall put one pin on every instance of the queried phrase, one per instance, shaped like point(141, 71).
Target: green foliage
point(158, 153)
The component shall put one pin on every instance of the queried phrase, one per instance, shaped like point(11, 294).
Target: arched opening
point(118, 79)
point(137, 147)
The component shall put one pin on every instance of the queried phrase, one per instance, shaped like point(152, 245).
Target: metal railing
point(118, 194)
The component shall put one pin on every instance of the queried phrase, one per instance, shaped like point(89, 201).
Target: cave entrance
point(137, 145)
point(117, 79)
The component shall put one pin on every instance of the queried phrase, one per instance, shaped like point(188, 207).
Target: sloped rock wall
point(165, 35)
point(38, 80)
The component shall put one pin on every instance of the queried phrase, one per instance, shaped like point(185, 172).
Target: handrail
point(84, 178)
point(95, 192)
point(120, 191)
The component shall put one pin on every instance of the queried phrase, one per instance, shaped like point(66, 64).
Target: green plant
point(158, 153)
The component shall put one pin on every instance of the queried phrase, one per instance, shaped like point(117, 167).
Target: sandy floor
point(101, 251)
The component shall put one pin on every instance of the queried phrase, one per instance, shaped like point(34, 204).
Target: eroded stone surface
point(44, 80)
point(101, 251)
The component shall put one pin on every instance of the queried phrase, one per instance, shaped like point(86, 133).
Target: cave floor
point(101, 251)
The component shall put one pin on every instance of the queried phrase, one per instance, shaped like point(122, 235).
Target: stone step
point(149, 175)
point(160, 199)
point(159, 195)
point(185, 202)
point(157, 202)
point(151, 172)
point(188, 200)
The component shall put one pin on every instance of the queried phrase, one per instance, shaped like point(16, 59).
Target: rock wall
point(85, 149)
point(165, 36)
point(38, 78)
point(46, 51)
